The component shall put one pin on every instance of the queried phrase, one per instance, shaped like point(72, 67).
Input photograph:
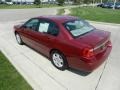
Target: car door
point(48, 32)
point(40, 34)
point(29, 31)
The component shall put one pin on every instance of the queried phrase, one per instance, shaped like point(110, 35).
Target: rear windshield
point(78, 27)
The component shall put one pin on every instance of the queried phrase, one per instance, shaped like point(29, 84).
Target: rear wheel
point(18, 38)
point(59, 60)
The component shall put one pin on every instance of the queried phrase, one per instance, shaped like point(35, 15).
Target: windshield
point(78, 27)
point(118, 3)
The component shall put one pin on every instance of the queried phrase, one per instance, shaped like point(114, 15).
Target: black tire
point(18, 39)
point(64, 63)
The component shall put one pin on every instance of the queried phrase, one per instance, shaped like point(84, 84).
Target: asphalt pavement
point(20, 14)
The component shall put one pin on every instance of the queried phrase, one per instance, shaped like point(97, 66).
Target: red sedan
point(68, 41)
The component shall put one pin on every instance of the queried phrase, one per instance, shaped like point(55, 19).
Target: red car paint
point(72, 48)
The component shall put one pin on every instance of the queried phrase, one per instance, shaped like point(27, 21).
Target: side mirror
point(23, 26)
point(27, 27)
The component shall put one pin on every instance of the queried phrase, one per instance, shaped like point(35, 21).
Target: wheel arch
point(54, 49)
point(15, 32)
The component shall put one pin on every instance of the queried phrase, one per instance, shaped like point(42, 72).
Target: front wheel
point(18, 38)
point(59, 60)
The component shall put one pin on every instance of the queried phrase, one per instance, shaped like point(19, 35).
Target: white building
point(43, 1)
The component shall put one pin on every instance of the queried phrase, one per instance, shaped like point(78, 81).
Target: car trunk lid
point(97, 39)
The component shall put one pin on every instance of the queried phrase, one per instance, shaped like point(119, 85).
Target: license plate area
point(101, 47)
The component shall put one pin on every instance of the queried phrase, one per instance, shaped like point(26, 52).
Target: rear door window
point(48, 27)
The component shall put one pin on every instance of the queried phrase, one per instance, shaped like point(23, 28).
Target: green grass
point(97, 14)
point(10, 79)
point(4, 6)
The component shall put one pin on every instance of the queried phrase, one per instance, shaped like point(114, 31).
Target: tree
point(37, 2)
point(87, 1)
point(76, 1)
point(61, 2)
point(114, 4)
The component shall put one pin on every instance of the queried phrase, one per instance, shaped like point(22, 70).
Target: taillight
point(87, 53)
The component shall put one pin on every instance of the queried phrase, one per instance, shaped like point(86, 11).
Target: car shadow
point(75, 71)
point(79, 72)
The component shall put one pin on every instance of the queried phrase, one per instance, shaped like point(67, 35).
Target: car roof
point(57, 18)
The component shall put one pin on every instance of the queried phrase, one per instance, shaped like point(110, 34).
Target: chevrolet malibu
point(68, 41)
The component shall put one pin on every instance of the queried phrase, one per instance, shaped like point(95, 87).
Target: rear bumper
point(96, 62)
point(100, 58)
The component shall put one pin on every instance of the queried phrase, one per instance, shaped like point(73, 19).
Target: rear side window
point(43, 27)
point(48, 28)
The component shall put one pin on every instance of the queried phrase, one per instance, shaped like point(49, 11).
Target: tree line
point(86, 1)
point(61, 2)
